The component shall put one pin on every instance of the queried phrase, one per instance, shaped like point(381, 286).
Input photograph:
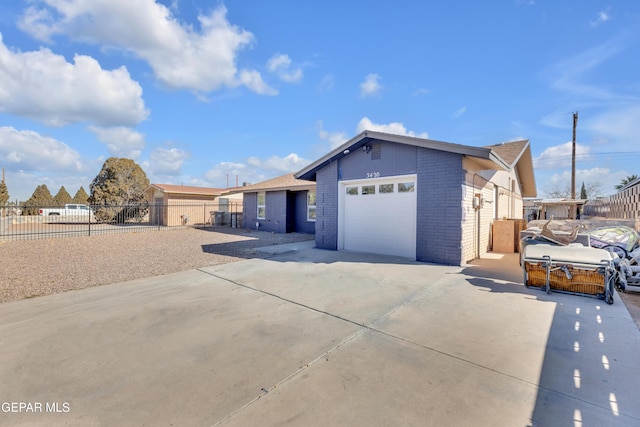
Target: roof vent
point(376, 151)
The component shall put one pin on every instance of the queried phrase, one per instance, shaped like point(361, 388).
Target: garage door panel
point(383, 223)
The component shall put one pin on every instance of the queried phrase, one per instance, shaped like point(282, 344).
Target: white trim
point(309, 219)
point(342, 185)
point(258, 205)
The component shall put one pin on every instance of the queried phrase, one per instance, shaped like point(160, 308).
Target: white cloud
point(327, 83)
point(45, 87)
point(396, 128)
point(335, 139)
point(253, 170)
point(621, 124)
point(200, 58)
point(30, 151)
point(603, 16)
point(459, 112)
point(121, 141)
point(280, 65)
point(370, 86)
point(165, 163)
point(224, 175)
point(559, 156)
point(569, 76)
point(603, 178)
point(290, 163)
point(421, 91)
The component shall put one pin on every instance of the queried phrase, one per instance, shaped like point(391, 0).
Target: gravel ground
point(31, 268)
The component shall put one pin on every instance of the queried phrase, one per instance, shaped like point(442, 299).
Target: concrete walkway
point(316, 337)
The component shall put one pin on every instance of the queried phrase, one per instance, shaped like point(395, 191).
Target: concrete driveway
point(320, 338)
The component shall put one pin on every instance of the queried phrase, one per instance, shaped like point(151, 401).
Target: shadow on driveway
point(587, 376)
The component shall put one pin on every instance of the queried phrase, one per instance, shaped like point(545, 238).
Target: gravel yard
point(31, 268)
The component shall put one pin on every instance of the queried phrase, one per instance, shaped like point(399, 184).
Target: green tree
point(62, 198)
point(583, 192)
point(4, 197)
point(117, 192)
point(81, 197)
point(41, 198)
point(625, 181)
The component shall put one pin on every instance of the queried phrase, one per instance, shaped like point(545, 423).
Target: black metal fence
point(47, 222)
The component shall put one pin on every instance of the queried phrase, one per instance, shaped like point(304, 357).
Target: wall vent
point(376, 151)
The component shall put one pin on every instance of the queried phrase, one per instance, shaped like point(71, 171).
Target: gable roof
point(517, 154)
point(490, 157)
point(283, 182)
point(185, 189)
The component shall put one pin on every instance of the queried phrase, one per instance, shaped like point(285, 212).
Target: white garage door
point(379, 216)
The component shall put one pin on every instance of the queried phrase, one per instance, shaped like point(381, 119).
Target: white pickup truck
point(69, 210)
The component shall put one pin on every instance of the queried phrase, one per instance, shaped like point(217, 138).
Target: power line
point(590, 156)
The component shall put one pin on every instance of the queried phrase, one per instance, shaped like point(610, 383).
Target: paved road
point(320, 338)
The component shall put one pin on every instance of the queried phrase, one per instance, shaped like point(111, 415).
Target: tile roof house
point(283, 205)
point(418, 198)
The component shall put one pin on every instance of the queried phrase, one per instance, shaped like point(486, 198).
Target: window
point(406, 187)
point(385, 188)
point(368, 189)
point(261, 206)
point(311, 206)
point(352, 191)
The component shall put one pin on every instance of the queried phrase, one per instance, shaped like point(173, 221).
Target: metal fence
point(47, 222)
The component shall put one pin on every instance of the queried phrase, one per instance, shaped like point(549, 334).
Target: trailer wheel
point(618, 250)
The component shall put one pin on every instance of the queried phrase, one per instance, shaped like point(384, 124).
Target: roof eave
point(308, 173)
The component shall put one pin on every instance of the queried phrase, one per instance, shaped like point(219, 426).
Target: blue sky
point(201, 92)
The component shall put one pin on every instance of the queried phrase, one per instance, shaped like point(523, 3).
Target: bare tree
point(592, 190)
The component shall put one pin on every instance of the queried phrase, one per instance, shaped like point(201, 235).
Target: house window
point(406, 187)
point(261, 206)
point(311, 206)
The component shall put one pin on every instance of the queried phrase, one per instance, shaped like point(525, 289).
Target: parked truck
point(70, 212)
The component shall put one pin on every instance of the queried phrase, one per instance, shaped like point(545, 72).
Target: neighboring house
point(172, 205)
point(417, 198)
point(282, 205)
point(560, 208)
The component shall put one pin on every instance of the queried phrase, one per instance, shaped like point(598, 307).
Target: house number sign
point(373, 174)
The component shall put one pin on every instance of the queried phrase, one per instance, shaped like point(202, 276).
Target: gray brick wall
point(249, 210)
point(275, 211)
point(327, 207)
point(300, 221)
point(439, 198)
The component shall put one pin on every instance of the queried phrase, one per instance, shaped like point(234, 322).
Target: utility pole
point(573, 164)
